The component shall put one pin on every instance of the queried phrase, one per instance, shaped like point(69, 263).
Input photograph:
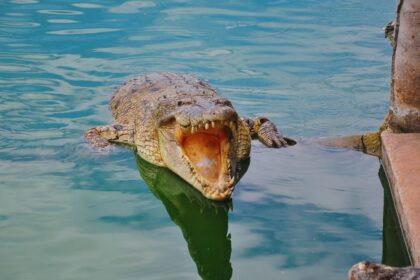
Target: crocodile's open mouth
point(207, 148)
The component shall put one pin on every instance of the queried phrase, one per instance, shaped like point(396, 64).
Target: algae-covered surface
point(316, 68)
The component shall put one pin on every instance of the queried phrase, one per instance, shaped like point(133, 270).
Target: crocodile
point(180, 122)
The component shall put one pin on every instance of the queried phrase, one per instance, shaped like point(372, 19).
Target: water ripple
point(24, 1)
point(62, 21)
point(19, 24)
point(87, 5)
point(59, 12)
point(132, 7)
point(83, 31)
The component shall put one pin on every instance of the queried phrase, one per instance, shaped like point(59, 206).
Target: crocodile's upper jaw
point(203, 154)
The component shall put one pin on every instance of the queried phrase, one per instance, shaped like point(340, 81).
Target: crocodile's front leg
point(101, 136)
point(267, 133)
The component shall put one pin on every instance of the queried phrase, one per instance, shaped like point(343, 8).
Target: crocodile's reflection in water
point(204, 223)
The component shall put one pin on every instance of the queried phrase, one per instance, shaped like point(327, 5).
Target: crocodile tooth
point(232, 180)
point(206, 126)
point(213, 124)
point(193, 129)
point(200, 125)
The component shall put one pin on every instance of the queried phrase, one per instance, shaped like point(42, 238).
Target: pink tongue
point(203, 150)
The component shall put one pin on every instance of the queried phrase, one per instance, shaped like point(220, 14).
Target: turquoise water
point(316, 68)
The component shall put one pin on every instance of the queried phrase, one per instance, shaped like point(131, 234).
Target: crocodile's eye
point(262, 120)
point(223, 101)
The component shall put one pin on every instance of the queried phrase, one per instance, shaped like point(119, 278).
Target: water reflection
point(204, 223)
point(394, 252)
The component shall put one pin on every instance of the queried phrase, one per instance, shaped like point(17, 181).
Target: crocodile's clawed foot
point(269, 135)
point(289, 141)
point(94, 136)
point(101, 135)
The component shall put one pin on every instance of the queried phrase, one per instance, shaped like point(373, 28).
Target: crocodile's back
point(139, 97)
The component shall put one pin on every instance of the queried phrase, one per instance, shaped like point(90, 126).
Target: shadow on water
point(204, 223)
point(394, 252)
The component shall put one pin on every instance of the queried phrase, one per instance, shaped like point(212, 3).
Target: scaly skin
point(180, 122)
point(372, 271)
point(368, 143)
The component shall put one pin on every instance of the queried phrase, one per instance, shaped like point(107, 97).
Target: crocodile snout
point(195, 115)
point(219, 113)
